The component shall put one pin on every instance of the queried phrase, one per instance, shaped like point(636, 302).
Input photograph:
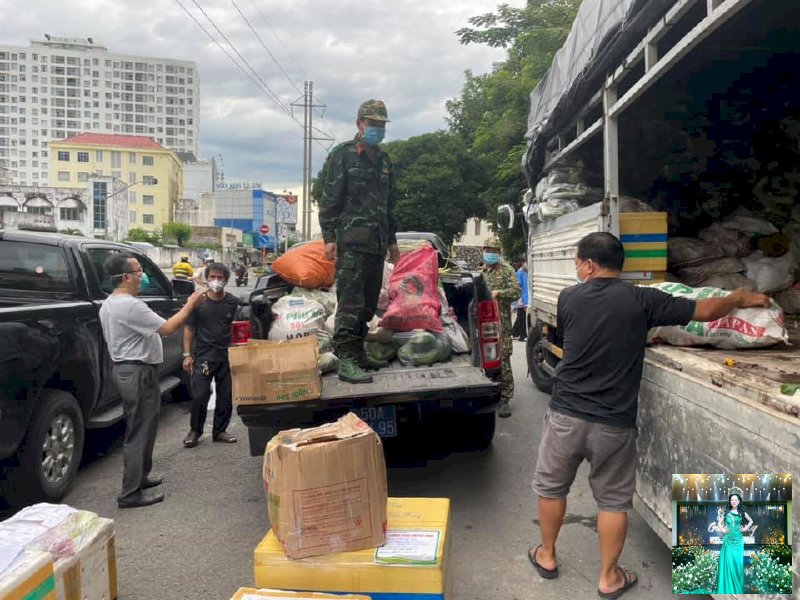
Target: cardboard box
point(644, 236)
point(271, 372)
point(254, 594)
point(29, 576)
point(326, 488)
point(92, 571)
point(414, 563)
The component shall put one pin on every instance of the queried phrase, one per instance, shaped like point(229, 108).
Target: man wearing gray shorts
point(132, 332)
point(602, 328)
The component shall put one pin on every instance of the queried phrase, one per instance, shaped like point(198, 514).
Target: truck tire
point(536, 355)
point(480, 429)
point(48, 458)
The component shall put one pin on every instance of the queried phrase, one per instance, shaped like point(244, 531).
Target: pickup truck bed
point(455, 386)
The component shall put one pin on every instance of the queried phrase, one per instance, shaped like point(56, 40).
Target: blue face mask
point(374, 135)
point(144, 281)
point(491, 258)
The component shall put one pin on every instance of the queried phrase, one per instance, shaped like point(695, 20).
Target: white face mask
point(216, 286)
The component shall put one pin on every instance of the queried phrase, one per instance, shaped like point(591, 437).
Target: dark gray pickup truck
point(461, 393)
point(54, 365)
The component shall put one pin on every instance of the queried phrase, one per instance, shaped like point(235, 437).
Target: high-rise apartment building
point(60, 87)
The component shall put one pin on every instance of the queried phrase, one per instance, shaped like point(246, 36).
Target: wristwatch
point(187, 355)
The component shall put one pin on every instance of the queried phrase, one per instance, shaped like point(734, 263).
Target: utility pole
point(308, 139)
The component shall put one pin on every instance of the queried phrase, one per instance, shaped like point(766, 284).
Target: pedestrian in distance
point(206, 337)
point(182, 269)
point(133, 335)
point(199, 276)
point(602, 326)
point(520, 325)
point(502, 282)
point(356, 216)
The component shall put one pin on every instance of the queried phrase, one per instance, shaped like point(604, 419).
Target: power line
point(239, 54)
point(233, 60)
point(272, 56)
point(321, 115)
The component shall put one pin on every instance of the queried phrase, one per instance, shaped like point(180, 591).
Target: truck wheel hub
point(58, 448)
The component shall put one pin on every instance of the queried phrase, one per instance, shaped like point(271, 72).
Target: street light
point(151, 181)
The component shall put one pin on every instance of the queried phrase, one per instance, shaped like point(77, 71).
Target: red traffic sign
point(291, 199)
point(264, 229)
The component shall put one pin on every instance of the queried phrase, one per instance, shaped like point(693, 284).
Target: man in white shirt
point(133, 335)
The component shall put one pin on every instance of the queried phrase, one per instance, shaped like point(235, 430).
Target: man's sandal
point(628, 577)
point(543, 572)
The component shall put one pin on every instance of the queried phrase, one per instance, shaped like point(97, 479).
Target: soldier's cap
point(373, 109)
point(492, 242)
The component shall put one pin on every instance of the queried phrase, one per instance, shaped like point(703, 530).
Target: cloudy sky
point(403, 51)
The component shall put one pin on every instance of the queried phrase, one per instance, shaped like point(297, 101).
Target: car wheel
point(480, 429)
point(48, 458)
point(536, 356)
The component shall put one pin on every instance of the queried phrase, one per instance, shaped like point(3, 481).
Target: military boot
point(504, 410)
point(350, 372)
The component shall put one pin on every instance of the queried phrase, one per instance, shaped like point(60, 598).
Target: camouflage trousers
point(506, 374)
point(358, 285)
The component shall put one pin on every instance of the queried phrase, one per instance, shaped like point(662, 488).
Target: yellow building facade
point(155, 172)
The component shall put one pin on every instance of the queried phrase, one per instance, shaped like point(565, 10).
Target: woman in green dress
point(730, 573)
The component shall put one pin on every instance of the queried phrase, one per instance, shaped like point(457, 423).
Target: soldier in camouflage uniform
point(502, 281)
point(358, 227)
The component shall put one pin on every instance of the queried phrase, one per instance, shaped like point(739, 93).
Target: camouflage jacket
point(358, 197)
point(502, 279)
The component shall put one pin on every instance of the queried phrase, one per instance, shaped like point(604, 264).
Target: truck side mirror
point(505, 216)
point(183, 287)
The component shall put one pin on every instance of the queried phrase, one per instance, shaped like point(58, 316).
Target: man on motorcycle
point(182, 269)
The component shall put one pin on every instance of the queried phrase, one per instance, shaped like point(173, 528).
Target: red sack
point(414, 293)
point(306, 266)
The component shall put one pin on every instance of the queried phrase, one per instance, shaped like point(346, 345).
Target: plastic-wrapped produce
point(327, 362)
point(730, 239)
point(425, 348)
point(730, 282)
point(380, 350)
point(552, 209)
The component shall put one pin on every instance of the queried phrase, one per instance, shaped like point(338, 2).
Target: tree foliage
point(438, 184)
point(180, 232)
point(474, 166)
point(491, 114)
point(137, 234)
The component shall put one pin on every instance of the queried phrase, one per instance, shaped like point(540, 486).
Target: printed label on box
point(335, 510)
point(409, 548)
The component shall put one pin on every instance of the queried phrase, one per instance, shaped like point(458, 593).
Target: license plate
point(383, 419)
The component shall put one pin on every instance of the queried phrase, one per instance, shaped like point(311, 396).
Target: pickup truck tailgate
point(456, 378)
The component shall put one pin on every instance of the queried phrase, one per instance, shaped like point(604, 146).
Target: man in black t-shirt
point(602, 327)
point(206, 338)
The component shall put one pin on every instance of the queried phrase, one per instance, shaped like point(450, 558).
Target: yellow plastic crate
point(644, 236)
point(262, 594)
point(31, 577)
point(413, 565)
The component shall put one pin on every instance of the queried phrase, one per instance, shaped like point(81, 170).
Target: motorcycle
point(241, 278)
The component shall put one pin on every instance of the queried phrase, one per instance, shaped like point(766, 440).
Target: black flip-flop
point(545, 573)
point(626, 586)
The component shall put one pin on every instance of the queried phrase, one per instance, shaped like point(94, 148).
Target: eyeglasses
point(133, 272)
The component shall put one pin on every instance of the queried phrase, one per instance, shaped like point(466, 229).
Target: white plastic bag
point(552, 209)
point(459, 340)
point(749, 223)
point(327, 362)
point(743, 328)
point(295, 317)
point(770, 274)
point(326, 298)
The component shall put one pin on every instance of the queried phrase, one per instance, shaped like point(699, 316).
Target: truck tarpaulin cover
point(603, 33)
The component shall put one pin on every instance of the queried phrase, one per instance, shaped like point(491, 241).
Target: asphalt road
point(199, 542)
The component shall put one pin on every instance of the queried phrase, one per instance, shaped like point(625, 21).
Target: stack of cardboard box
point(334, 530)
